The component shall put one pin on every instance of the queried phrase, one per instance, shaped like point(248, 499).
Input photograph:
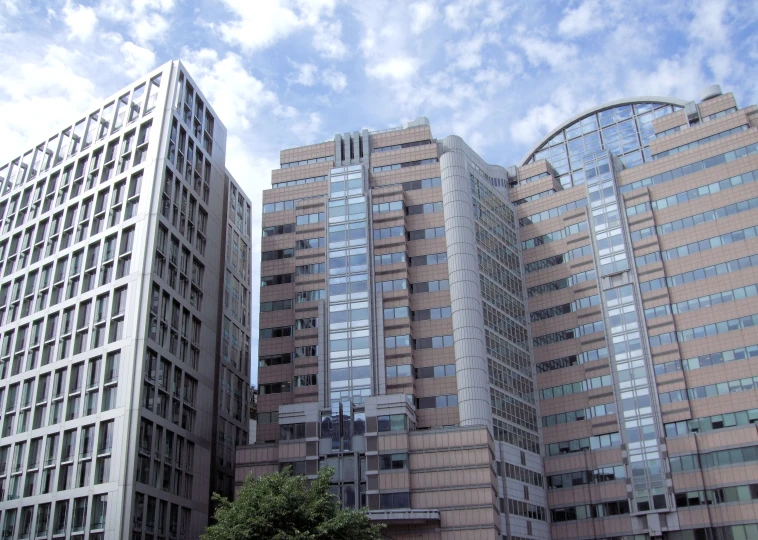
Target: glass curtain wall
point(636, 416)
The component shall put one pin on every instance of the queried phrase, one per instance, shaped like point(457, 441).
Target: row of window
point(577, 387)
point(437, 402)
point(534, 197)
point(732, 494)
point(427, 234)
point(281, 279)
point(713, 359)
point(389, 232)
point(595, 442)
point(403, 145)
point(552, 212)
point(278, 229)
point(390, 258)
point(298, 182)
point(694, 193)
point(519, 473)
point(718, 458)
point(700, 274)
point(697, 219)
point(555, 260)
point(556, 311)
point(563, 283)
point(704, 301)
point(526, 509)
point(698, 332)
point(709, 243)
point(308, 219)
point(728, 532)
point(581, 478)
point(569, 230)
point(695, 144)
point(276, 305)
point(395, 166)
point(571, 333)
point(590, 511)
point(572, 360)
point(691, 168)
point(577, 416)
point(710, 390)
point(306, 162)
point(712, 423)
point(310, 243)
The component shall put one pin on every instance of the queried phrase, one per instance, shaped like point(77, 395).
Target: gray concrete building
point(121, 371)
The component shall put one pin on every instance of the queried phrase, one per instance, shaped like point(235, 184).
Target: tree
point(282, 506)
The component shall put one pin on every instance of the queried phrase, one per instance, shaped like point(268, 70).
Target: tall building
point(394, 343)
point(111, 367)
point(637, 224)
point(531, 352)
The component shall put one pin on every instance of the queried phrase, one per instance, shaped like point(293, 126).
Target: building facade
point(394, 343)
point(112, 268)
point(637, 229)
point(591, 309)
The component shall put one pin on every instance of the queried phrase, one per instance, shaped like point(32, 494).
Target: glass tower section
point(640, 430)
point(349, 349)
point(625, 131)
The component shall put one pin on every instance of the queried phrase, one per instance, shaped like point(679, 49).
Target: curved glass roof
point(625, 129)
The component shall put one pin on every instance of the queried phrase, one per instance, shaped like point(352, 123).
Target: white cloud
point(708, 22)
point(586, 18)
point(555, 54)
point(137, 60)
point(258, 25)
point(679, 77)
point(326, 40)
point(306, 129)
point(467, 54)
point(143, 20)
point(81, 20)
point(540, 119)
point(423, 14)
point(398, 68)
point(305, 75)
point(458, 12)
point(40, 99)
point(152, 27)
point(237, 96)
point(336, 80)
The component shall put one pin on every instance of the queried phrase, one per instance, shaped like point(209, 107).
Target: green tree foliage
point(282, 506)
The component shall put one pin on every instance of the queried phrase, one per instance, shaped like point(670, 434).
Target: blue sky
point(286, 73)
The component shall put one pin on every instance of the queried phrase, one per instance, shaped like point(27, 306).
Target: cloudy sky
point(284, 73)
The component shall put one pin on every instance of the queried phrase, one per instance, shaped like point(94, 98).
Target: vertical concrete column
point(465, 295)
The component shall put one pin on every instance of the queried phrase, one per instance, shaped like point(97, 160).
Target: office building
point(111, 364)
point(563, 348)
point(394, 343)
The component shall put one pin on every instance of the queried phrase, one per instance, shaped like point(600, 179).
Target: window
point(394, 500)
point(392, 422)
point(438, 402)
point(397, 341)
point(289, 432)
point(388, 462)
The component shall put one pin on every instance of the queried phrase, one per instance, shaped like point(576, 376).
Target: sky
point(285, 73)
